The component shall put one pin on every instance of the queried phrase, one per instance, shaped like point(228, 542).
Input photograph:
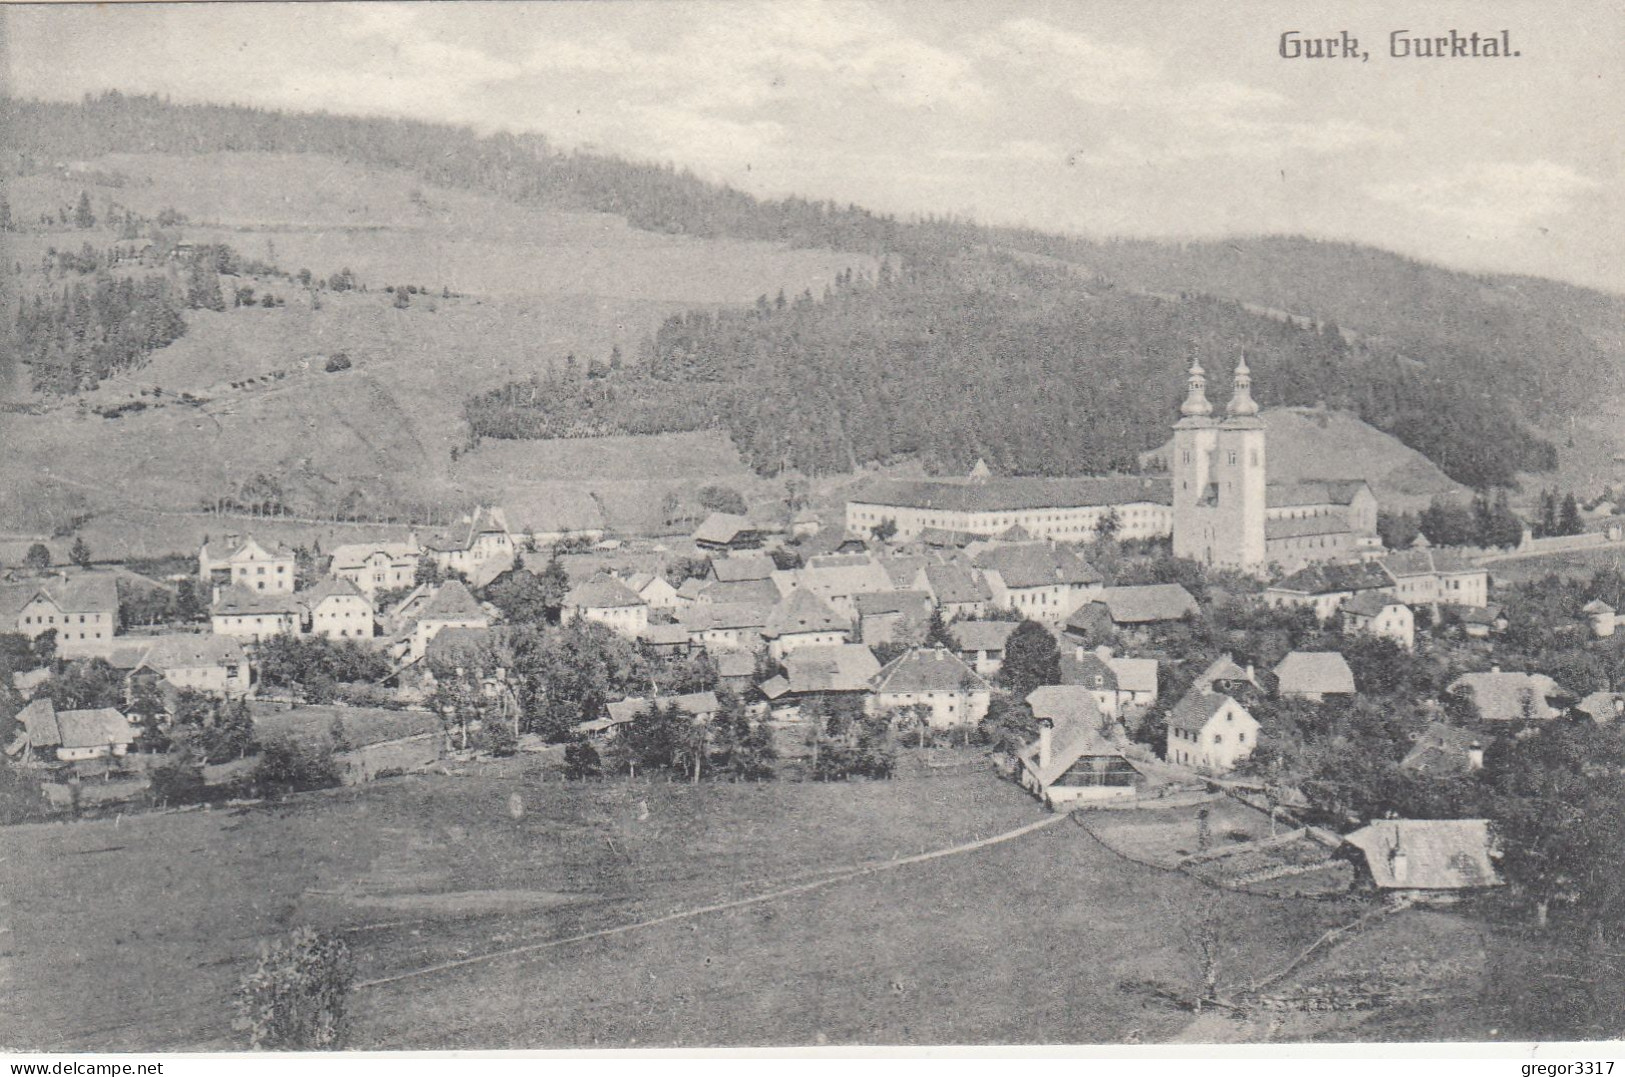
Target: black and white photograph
point(767, 524)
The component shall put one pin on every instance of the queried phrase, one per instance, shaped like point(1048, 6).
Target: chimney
point(1475, 756)
point(215, 599)
point(412, 539)
point(1044, 728)
point(1077, 652)
point(1399, 864)
point(1252, 678)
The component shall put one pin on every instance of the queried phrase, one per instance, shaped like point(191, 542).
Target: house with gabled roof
point(958, 589)
point(741, 567)
point(255, 615)
point(1444, 751)
point(609, 602)
point(725, 626)
point(699, 706)
point(72, 736)
point(1512, 697)
point(1436, 861)
point(1044, 581)
point(1128, 609)
point(982, 643)
point(1210, 731)
point(1433, 575)
point(1374, 613)
point(83, 611)
point(1077, 756)
point(247, 564)
point(887, 615)
point(1119, 684)
point(844, 669)
point(837, 580)
point(1313, 675)
point(728, 531)
point(207, 663)
point(803, 620)
point(655, 590)
point(337, 609)
point(1325, 587)
point(765, 592)
point(482, 550)
point(377, 566)
point(451, 606)
point(953, 693)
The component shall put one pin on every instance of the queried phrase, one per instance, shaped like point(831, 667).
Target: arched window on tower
point(1232, 458)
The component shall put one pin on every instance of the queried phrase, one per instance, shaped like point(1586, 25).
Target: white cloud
point(1500, 196)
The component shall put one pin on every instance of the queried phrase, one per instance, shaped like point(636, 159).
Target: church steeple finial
point(1242, 403)
point(1196, 402)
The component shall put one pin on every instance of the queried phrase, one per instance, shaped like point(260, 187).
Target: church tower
point(1196, 443)
point(1218, 472)
point(1241, 477)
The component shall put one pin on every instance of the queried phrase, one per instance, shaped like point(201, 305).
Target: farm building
point(842, 670)
point(1118, 684)
point(1075, 758)
point(1314, 675)
point(981, 643)
point(1512, 697)
point(73, 735)
point(1130, 609)
point(955, 694)
point(1431, 860)
point(726, 531)
point(608, 601)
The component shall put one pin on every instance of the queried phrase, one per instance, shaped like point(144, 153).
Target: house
point(654, 589)
point(373, 743)
point(1477, 622)
point(255, 615)
point(957, 589)
point(248, 565)
point(481, 551)
point(1313, 675)
point(1040, 580)
point(803, 620)
point(1426, 575)
point(1119, 685)
point(739, 568)
point(727, 531)
point(1428, 860)
point(845, 669)
point(1225, 675)
point(1130, 608)
point(725, 626)
point(337, 609)
point(1075, 759)
point(1210, 731)
point(1602, 617)
point(377, 566)
point(665, 638)
point(1373, 613)
point(700, 706)
point(736, 671)
point(451, 606)
point(1066, 510)
point(763, 592)
point(805, 524)
point(609, 602)
point(838, 580)
point(82, 610)
point(885, 615)
point(981, 643)
point(1444, 751)
point(953, 693)
point(72, 736)
point(1325, 588)
point(212, 664)
point(1512, 697)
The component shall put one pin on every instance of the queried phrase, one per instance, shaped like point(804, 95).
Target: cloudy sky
point(1106, 118)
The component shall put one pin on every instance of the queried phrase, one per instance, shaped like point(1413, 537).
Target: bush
point(287, 766)
point(498, 737)
point(179, 781)
point(296, 997)
point(22, 800)
point(336, 362)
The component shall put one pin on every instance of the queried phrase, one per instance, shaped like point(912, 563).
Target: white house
point(955, 694)
point(377, 566)
point(1377, 614)
point(654, 589)
point(725, 626)
point(76, 735)
point(1433, 576)
point(1210, 731)
point(451, 607)
point(1041, 580)
point(609, 602)
point(482, 552)
point(337, 609)
point(255, 615)
point(1313, 675)
point(212, 664)
point(248, 565)
point(1118, 685)
point(803, 620)
point(82, 610)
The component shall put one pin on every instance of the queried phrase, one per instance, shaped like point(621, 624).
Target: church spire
point(1196, 403)
point(1242, 403)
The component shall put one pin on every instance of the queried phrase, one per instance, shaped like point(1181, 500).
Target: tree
point(85, 685)
point(287, 766)
point(80, 552)
point(884, 530)
point(936, 632)
point(82, 217)
point(402, 301)
point(1569, 522)
point(427, 572)
point(38, 557)
point(1031, 659)
point(581, 760)
point(721, 499)
point(296, 999)
point(231, 735)
point(1109, 524)
point(1446, 522)
point(180, 779)
point(22, 798)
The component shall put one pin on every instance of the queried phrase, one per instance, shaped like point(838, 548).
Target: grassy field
point(1580, 565)
point(130, 934)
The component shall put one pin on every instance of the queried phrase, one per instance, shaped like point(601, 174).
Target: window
point(1232, 458)
point(1218, 738)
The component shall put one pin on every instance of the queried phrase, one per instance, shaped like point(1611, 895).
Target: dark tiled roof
point(1038, 564)
point(1144, 603)
point(1192, 712)
point(803, 612)
point(742, 567)
point(601, 591)
point(982, 635)
point(1439, 854)
point(956, 584)
point(1330, 579)
point(453, 602)
point(928, 670)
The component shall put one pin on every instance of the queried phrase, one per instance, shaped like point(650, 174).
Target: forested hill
point(1452, 364)
point(983, 355)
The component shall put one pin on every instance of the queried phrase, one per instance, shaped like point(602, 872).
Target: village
point(1191, 642)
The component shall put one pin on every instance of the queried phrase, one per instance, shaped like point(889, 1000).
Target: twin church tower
point(1219, 488)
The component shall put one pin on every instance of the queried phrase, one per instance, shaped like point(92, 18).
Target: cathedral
point(1218, 470)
